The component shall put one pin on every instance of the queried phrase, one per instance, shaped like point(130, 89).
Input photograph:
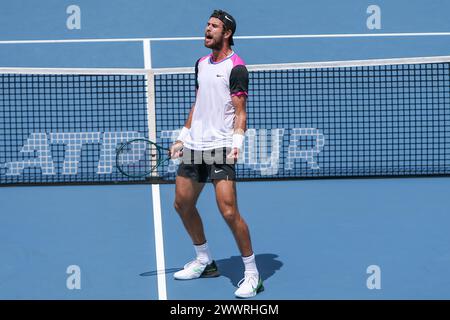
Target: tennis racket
point(139, 158)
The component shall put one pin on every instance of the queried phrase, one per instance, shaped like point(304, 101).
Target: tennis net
point(334, 119)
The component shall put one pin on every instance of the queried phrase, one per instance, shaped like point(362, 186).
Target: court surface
point(313, 239)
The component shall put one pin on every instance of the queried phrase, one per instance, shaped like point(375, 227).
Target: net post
point(151, 113)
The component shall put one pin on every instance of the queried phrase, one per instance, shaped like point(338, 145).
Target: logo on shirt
point(219, 75)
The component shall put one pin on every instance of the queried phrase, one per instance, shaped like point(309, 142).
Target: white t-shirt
point(213, 118)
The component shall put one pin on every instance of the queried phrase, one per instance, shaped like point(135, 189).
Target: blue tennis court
point(80, 233)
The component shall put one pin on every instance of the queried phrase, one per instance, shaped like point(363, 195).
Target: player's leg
point(227, 203)
point(187, 192)
point(189, 184)
point(222, 173)
point(226, 198)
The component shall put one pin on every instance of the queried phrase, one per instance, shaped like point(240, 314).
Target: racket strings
point(140, 157)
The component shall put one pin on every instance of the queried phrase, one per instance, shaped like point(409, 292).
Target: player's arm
point(239, 90)
point(188, 122)
point(240, 124)
point(176, 150)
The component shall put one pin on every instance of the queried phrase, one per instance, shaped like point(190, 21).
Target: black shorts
point(212, 164)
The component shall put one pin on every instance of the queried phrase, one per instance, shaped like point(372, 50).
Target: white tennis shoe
point(195, 269)
point(249, 286)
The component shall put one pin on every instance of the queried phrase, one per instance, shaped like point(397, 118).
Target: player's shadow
point(233, 267)
point(155, 272)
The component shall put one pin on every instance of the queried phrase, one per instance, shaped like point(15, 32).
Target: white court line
point(159, 243)
point(74, 71)
point(287, 36)
point(156, 196)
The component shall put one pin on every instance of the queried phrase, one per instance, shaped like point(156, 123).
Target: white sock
point(203, 254)
point(250, 264)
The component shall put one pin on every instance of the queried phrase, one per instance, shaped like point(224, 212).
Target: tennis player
point(209, 145)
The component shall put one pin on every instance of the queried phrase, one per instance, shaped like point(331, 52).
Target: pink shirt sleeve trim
point(240, 93)
point(205, 57)
point(237, 61)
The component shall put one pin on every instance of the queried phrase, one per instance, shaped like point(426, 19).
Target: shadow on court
point(155, 272)
point(233, 269)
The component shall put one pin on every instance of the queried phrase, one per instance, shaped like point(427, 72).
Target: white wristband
point(238, 140)
point(183, 134)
